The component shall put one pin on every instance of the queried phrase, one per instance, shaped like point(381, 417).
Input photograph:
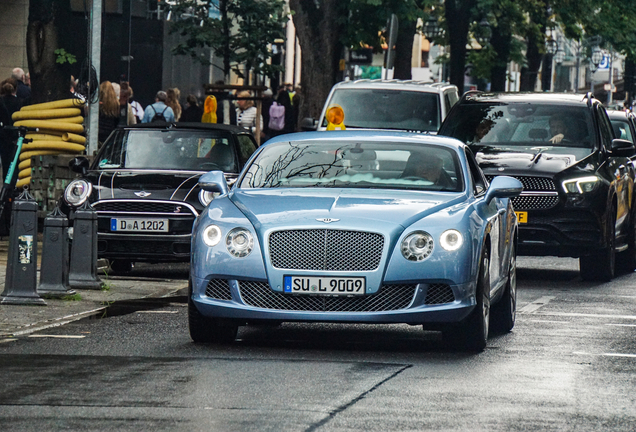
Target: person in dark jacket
point(9, 103)
point(108, 111)
point(193, 112)
point(23, 90)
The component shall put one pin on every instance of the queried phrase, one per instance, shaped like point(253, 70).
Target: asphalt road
point(569, 365)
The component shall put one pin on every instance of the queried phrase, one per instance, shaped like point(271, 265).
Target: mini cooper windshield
point(523, 125)
point(356, 165)
point(169, 149)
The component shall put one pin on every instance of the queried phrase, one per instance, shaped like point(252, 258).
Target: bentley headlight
point(212, 235)
point(77, 192)
point(451, 240)
point(239, 242)
point(417, 246)
point(580, 185)
point(205, 197)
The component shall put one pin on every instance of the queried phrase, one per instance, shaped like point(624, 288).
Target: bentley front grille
point(326, 249)
point(218, 289)
point(390, 297)
point(141, 207)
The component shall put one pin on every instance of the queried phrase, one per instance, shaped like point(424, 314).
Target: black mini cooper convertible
point(143, 185)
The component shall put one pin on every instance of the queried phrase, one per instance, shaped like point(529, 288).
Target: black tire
point(121, 266)
point(626, 260)
point(504, 313)
point(472, 333)
point(208, 330)
point(601, 266)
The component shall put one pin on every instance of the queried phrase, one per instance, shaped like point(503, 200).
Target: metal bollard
point(54, 263)
point(83, 267)
point(20, 287)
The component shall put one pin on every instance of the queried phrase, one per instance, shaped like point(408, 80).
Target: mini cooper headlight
point(205, 197)
point(77, 192)
point(417, 246)
point(212, 235)
point(239, 242)
point(451, 240)
point(580, 185)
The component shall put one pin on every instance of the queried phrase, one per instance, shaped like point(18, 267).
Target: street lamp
point(551, 46)
point(484, 32)
point(432, 29)
point(559, 56)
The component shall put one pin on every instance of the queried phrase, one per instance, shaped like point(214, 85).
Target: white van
point(415, 106)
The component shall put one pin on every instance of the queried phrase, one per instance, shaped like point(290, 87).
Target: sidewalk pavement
point(18, 320)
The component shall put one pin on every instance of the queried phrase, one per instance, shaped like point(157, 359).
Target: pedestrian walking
point(108, 111)
point(159, 111)
point(137, 109)
point(193, 112)
point(173, 102)
point(246, 112)
point(24, 91)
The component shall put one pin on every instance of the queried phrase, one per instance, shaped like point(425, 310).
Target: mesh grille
point(533, 183)
point(390, 297)
point(439, 294)
point(141, 207)
point(218, 289)
point(534, 202)
point(325, 249)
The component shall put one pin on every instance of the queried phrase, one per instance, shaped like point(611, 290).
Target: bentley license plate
point(522, 217)
point(138, 225)
point(345, 286)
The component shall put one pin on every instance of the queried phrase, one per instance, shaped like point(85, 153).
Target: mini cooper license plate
point(345, 286)
point(138, 225)
point(522, 217)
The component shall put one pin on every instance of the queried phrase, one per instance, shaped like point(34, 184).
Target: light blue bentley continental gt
point(357, 227)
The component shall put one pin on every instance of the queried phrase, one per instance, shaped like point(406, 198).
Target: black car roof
point(551, 98)
point(196, 126)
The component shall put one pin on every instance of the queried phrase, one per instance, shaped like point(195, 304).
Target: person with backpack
point(159, 111)
point(279, 113)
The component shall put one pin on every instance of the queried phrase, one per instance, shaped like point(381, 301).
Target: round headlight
point(77, 192)
point(417, 246)
point(451, 240)
point(205, 197)
point(239, 242)
point(212, 235)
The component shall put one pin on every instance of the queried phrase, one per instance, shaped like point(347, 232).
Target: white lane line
point(536, 305)
point(548, 321)
point(583, 315)
point(57, 336)
point(58, 322)
point(622, 325)
point(606, 354)
point(7, 340)
point(158, 311)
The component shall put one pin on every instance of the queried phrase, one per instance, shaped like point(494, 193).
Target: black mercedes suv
point(578, 198)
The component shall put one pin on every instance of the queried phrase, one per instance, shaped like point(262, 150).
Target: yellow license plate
point(522, 217)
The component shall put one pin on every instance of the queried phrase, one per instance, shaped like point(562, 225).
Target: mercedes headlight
point(212, 235)
point(417, 246)
point(239, 242)
point(205, 197)
point(77, 192)
point(451, 240)
point(580, 185)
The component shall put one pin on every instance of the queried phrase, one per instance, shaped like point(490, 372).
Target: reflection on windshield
point(520, 124)
point(388, 109)
point(360, 165)
point(177, 150)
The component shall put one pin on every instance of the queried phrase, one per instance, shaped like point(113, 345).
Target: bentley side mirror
point(214, 181)
point(503, 187)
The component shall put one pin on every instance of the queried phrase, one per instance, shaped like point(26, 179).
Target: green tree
point(241, 36)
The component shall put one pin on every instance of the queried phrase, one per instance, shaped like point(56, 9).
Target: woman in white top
point(246, 112)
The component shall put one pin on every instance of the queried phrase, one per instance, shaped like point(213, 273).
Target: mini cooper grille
point(218, 289)
point(141, 207)
point(533, 183)
point(390, 297)
point(439, 294)
point(325, 249)
point(534, 202)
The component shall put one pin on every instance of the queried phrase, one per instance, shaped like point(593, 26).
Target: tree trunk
point(458, 14)
point(48, 30)
point(404, 50)
point(318, 27)
point(530, 73)
point(501, 42)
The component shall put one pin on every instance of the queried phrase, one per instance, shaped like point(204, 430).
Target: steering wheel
point(210, 166)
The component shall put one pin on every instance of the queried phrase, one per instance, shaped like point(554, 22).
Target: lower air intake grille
point(439, 294)
point(218, 289)
point(390, 297)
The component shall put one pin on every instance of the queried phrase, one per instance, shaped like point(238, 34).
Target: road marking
point(622, 325)
point(7, 340)
point(59, 321)
point(158, 311)
point(606, 354)
point(57, 336)
point(548, 321)
point(583, 315)
point(535, 305)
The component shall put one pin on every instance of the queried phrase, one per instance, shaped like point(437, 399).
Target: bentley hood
point(339, 208)
point(536, 160)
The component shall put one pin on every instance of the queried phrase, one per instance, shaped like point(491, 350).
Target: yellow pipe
point(24, 164)
point(22, 182)
point(44, 137)
point(47, 132)
point(53, 145)
point(76, 119)
point(74, 138)
point(29, 154)
point(53, 125)
point(65, 103)
point(46, 114)
point(24, 173)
